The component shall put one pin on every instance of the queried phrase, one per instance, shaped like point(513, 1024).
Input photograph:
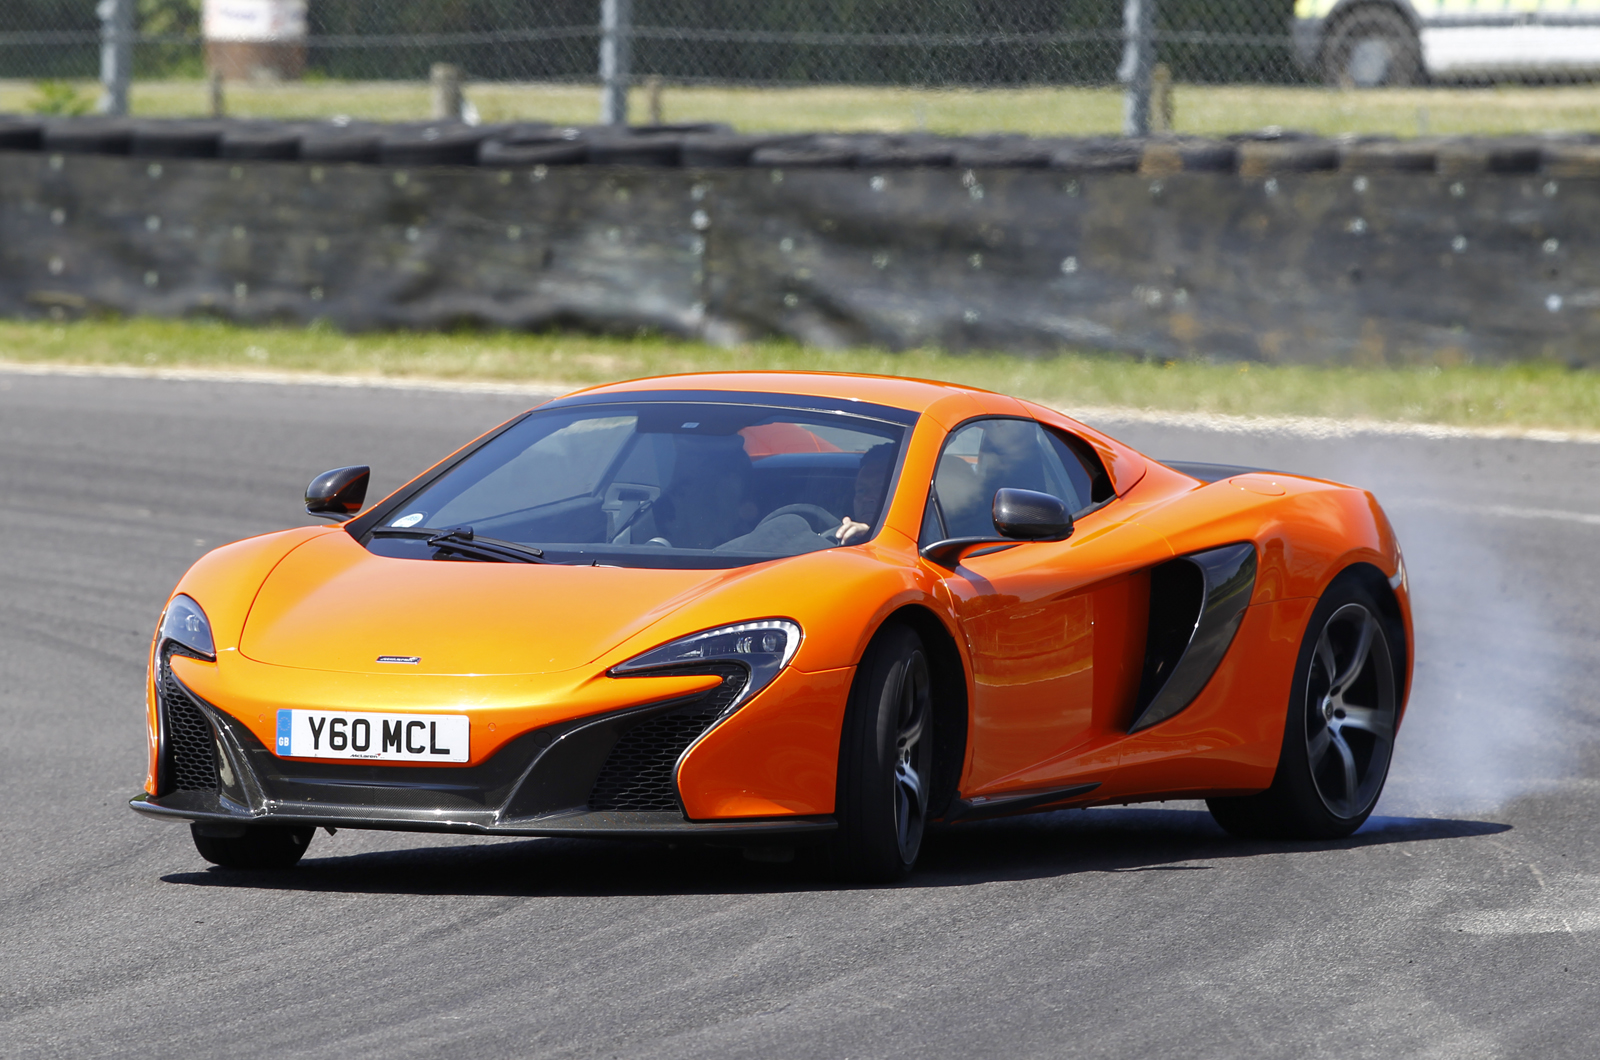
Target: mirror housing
point(1027, 515)
point(339, 493)
point(1019, 515)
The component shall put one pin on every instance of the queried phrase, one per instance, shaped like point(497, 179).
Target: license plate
point(373, 737)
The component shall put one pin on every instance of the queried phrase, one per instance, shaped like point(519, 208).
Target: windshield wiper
point(461, 541)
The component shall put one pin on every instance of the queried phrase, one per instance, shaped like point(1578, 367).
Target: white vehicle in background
point(1366, 43)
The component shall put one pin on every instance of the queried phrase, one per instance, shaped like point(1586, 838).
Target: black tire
point(1370, 48)
point(885, 761)
point(176, 139)
point(1338, 738)
point(88, 136)
point(20, 134)
point(708, 150)
point(261, 847)
point(337, 145)
point(262, 144)
point(446, 146)
point(553, 153)
point(634, 150)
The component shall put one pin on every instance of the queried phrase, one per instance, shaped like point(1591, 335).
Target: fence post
point(116, 55)
point(1138, 60)
point(445, 79)
point(616, 60)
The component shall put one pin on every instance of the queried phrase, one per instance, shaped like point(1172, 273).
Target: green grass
point(1200, 109)
point(1518, 396)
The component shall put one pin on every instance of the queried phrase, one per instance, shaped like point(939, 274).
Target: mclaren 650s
point(775, 609)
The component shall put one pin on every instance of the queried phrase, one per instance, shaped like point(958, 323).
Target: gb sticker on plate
point(373, 737)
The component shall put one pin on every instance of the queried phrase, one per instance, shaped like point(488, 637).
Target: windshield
point(662, 484)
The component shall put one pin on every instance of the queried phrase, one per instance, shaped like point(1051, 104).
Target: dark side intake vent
point(1196, 604)
point(638, 776)
point(190, 755)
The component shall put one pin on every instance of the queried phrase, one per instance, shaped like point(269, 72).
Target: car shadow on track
point(1057, 844)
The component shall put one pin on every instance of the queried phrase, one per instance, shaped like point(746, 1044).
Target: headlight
point(763, 648)
point(187, 630)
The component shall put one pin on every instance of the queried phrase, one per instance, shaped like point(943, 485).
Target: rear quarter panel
point(1229, 739)
point(1306, 532)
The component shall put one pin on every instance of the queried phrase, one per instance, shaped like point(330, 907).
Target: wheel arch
point(1349, 9)
point(950, 700)
point(1343, 12)
point(1372, 579)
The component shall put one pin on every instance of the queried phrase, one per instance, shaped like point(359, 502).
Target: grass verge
point(1200, 109)
point(1515, 396)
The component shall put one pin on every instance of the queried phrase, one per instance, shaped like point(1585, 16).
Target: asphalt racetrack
point(1460, 922)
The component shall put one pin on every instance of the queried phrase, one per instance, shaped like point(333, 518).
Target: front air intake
point(640, 773)
point(189, 751)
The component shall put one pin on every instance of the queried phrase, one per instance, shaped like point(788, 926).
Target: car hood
point(332, 605)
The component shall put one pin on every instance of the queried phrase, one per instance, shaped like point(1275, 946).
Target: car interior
point(665, 479)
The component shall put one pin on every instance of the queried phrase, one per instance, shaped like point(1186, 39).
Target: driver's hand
point(851, 531)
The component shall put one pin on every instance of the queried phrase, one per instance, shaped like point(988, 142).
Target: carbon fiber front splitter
point(223, 818)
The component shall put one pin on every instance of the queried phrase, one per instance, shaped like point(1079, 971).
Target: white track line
point(216, 375)
point(1500, 511)
point(1319, 427)
point(1294, 426)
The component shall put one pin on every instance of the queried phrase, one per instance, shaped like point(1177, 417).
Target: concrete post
point(116, 55)
point(616, 60)
point(1138, 60)
point(1163, 110)
point(447, 101)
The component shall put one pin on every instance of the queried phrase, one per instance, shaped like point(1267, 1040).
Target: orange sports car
point(773, 609)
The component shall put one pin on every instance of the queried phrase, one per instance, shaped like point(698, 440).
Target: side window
point(996, 454)
point(1083, 467)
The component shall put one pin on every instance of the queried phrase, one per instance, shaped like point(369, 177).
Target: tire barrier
point(1279, 248)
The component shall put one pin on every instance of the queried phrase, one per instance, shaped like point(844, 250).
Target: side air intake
point(1196, 605)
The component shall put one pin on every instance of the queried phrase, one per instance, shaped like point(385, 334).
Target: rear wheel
point(885, 760)
point(1339, 734)
point(261, 847)
point(1372, 47)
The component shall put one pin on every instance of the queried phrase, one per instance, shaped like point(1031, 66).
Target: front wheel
point(885, 760)
point(1339, 734)
point(260, 847)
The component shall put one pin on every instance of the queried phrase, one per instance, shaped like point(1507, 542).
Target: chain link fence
point(916, 45)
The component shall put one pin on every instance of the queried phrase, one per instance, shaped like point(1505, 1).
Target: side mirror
point(1027, 515)
point(339, 493)
point(1019, 515)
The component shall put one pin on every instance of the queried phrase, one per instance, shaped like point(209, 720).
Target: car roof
point(913, 395)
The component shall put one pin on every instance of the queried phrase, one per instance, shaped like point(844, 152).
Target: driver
point(872, 479)
point(791, 534)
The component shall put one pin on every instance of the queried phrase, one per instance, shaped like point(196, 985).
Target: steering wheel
point(819, 518)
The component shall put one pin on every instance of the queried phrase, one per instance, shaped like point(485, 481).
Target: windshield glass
point(663, 484)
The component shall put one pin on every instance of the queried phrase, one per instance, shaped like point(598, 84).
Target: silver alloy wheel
point(1351, 702)
point(912, 755)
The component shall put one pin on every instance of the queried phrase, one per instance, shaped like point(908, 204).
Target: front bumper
point(570, 779)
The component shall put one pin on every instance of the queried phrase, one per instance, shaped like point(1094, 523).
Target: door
point(1055, 629)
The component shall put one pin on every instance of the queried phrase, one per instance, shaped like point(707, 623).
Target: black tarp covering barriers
point(1273, 248)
